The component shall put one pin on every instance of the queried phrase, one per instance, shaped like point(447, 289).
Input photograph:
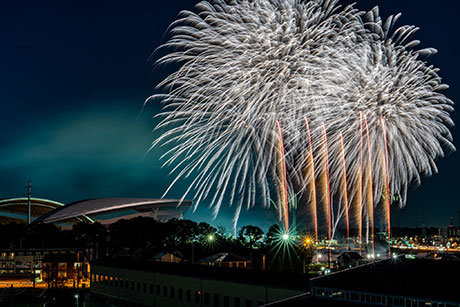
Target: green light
point(211, 238)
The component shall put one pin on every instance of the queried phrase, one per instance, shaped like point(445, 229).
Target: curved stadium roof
point(15, 209)
point(116, 208)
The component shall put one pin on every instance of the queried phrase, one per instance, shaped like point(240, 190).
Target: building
point(226, 260)
point(168, 257)
point(173, 284)
point(349, 259)
point(102, 210)
point(16, 209)
point(65, 269)
point(110, 210)
point(24, 262)
point(392, 282)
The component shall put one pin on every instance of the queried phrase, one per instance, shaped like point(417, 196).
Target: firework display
point(276, 98)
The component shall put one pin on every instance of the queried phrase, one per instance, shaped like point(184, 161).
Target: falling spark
point(345, 186)
point(387, 187)
point(326, 187)
point(312, 179)
point(369, 188)
point(283, 183)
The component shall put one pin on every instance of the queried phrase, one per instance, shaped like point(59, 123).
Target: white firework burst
point(264, 83)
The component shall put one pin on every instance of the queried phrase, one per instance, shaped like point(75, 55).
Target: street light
point(307, 241)
point(211, 238)
point(285, 237)
point(76, 297)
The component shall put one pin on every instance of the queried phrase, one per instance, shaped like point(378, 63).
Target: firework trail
point(345, 185)
point(311, 178)
point(282, 180)
point(249, 67)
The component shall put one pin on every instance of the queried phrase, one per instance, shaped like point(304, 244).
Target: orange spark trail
point(311, 168)
point(327, 188)
point(370, 191)
point(283, 192)
point(387, 196)
point(359, 195)
point(345, 185)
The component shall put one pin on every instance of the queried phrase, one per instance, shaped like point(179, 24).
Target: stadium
point(102, 210)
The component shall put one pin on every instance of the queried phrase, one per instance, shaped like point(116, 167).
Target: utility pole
point(29, 202)
point(423, 223)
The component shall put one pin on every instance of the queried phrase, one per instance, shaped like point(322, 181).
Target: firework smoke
point(249, 67)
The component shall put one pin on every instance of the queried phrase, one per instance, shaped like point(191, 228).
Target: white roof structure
point(109, 210)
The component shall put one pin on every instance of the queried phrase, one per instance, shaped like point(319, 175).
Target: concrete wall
point(164, 290)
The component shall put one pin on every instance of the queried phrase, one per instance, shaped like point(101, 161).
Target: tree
point(272, 236)
point(251, 236)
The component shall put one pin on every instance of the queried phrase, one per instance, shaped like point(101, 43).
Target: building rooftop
point(418, 278)
point(276, 279)
point(350, 255)
point(223, 257)
point(16, 209)
point(95, 209)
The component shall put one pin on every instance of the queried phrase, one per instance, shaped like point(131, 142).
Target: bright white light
point(285, 237)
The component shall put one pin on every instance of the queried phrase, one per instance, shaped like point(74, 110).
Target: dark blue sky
point(74, 76)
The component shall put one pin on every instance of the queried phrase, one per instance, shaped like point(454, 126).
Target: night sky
point(74, 77)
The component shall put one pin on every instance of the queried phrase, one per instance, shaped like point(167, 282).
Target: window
point(139, 286)
point(206, 298)
point(158, 290)
point(180, 293)
point(132, 285)
point(189, 295)
point(172, 292)
point(151, 289)
point(145, 287)
point(248, 303)
point(127, 284)
point(237, 302)
point(165, 291)
point(197, 297)
point(399, 301)
point(216, 300)
point(226, 301)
